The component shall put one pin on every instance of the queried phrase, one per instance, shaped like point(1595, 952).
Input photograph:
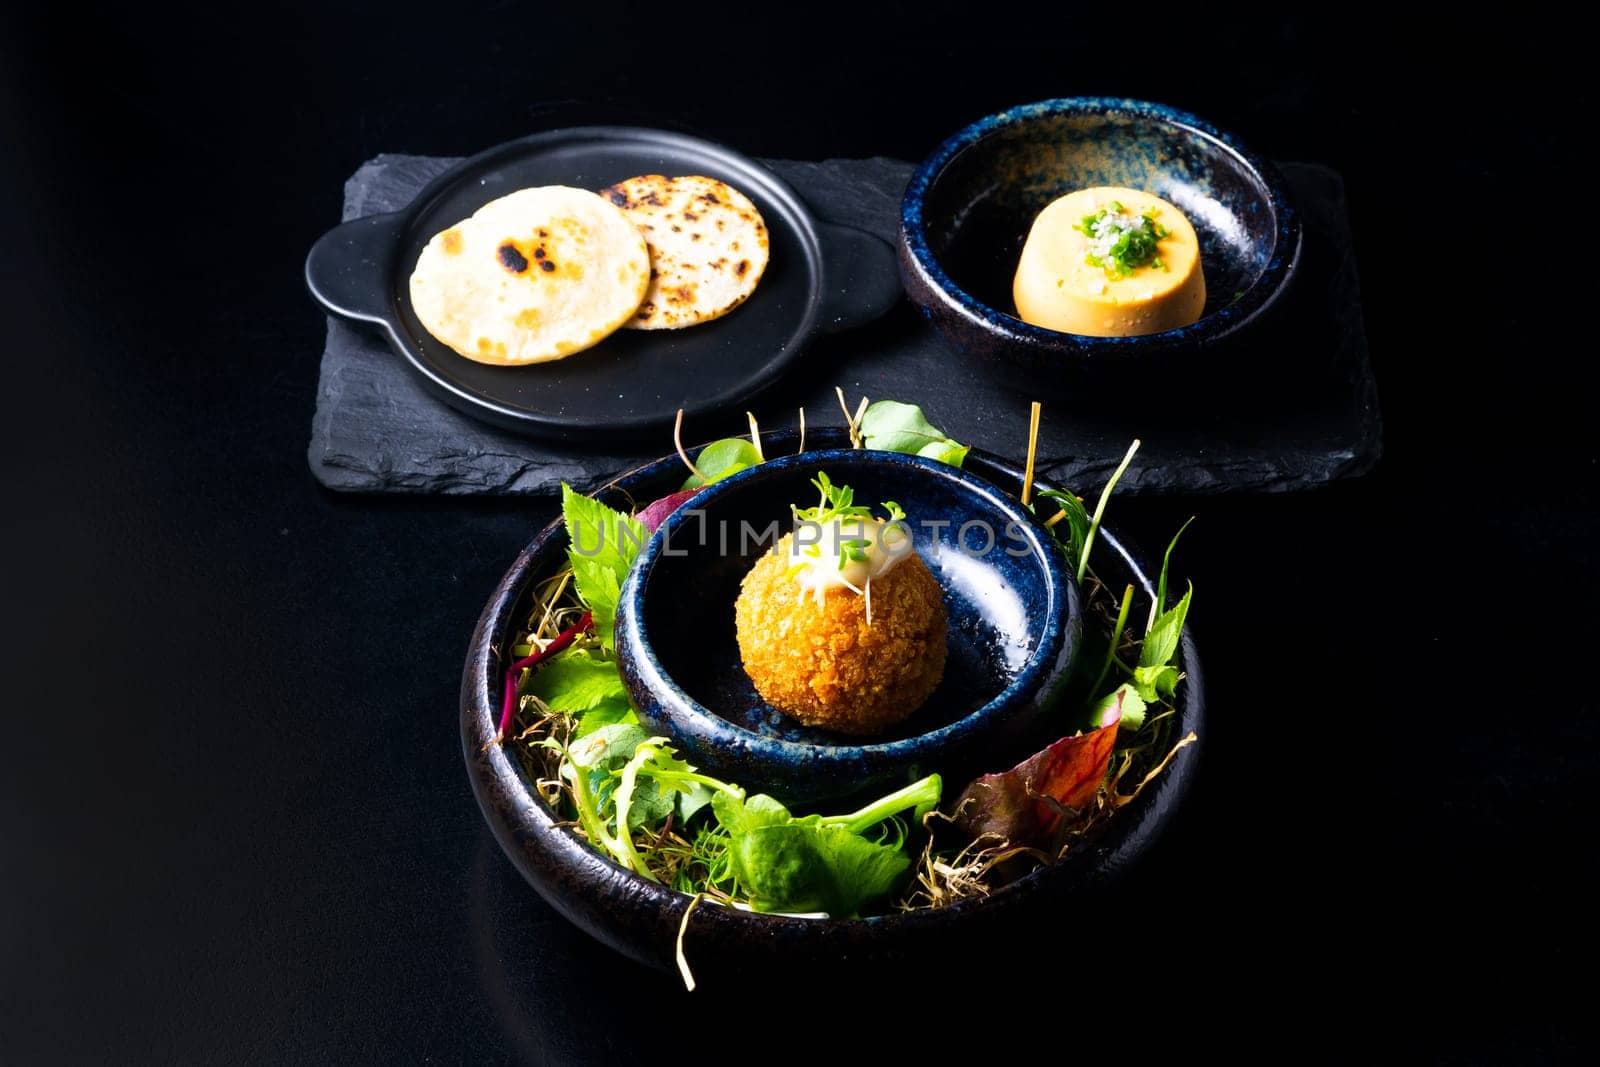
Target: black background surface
point(233, 814)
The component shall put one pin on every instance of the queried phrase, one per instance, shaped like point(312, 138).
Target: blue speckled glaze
point(1014, 629)
point(968, 208)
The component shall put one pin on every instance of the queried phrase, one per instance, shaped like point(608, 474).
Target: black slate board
point(1299, 413)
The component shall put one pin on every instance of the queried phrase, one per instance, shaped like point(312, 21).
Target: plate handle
point(860, 281)
point(349, 268)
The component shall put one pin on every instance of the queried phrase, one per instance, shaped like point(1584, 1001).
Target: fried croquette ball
point(822, 664)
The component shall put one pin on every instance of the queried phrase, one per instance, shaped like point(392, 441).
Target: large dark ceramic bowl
point(641, 919)
point(970, 205)
point(1014, 625)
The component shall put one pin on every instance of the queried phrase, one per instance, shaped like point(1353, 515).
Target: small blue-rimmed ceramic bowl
point(1014, 626)
point(970, 205)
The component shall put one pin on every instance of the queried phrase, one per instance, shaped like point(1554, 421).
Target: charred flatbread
point(536, 275)
point(708, 247)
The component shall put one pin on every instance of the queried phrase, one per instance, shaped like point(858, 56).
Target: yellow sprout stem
point(755, 436)
point(1033, 447)
point(677, 439)
point(683, 928)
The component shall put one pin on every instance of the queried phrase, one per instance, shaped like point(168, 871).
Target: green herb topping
point(1120, 243)
point(838, 505)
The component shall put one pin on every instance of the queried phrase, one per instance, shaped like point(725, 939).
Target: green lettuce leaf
point(577, 681)
point(610, 713)
point(945, 452)
point(1153, 683)
point(600, 755)
point(895, 427)
point(692, 800)
point(599, 589)
point(721, 458)
point(1124, 705)
point(605, 543)
point(804, 864)
point(607, 748)
point(1161, 640)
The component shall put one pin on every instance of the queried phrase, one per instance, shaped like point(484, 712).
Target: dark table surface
point(232, 806)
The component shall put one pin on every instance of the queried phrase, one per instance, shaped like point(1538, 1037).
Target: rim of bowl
point(707, 727)
point(1260, 295)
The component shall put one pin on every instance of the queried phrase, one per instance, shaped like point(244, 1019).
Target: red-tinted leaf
point(656, 512)
point(1027, 804)
point(559, 643)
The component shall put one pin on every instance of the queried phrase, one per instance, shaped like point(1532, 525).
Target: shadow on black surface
point(559, 997)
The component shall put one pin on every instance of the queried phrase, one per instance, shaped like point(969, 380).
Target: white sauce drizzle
point(815, 550)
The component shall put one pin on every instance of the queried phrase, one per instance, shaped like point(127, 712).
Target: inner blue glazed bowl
point(1014, 627)
point(970, 205)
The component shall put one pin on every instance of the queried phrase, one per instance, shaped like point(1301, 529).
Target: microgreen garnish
point(838, 502)
point(1121, 243)
point(837, 505)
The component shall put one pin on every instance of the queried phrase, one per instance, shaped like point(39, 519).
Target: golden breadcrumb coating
point(822, 664)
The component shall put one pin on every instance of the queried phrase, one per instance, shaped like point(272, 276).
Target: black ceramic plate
point(641, 919)
point(821, 278)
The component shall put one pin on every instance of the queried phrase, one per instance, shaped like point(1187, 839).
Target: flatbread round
point(533, 276)
point(708, 247)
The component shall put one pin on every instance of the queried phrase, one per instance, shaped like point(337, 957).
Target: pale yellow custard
point(1057, 286)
